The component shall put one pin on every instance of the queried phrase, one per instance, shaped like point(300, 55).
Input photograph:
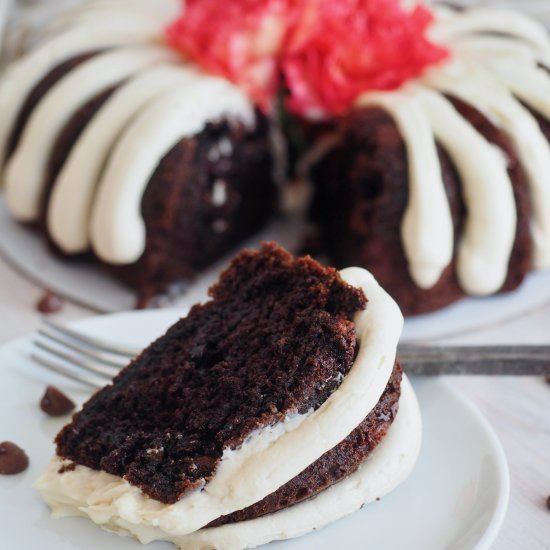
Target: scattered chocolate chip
point(49, 303)
point(56, 403)
point(548, 503)
point(13, 459)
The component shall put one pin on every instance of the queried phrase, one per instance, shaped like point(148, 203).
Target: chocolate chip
point(56, 403)
point(49, 303)
point(13, 459)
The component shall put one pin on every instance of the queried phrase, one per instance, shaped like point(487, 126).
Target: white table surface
point(518, 408)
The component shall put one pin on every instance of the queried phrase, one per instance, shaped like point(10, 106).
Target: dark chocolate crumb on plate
point(56, 403)
point(548, 379)
point(13, 459)
point(49, 303)
point(548, 503)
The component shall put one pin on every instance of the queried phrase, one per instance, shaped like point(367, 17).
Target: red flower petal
point(329, 51)
point(350, 47)
point(239, 40)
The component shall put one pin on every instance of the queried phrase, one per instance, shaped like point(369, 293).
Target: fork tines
point(78, 356)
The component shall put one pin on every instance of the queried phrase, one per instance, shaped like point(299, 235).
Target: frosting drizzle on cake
point(73, 195)
point(24, 175)
point(117, 227)
point(106, 31)
point(480, 74)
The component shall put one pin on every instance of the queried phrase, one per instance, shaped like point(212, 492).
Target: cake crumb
point(49, 303)
point(548, 502)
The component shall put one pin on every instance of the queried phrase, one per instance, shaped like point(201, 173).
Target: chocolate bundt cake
point(111, 143)
point(434, 174)
point(441, 187)
point(252, 418)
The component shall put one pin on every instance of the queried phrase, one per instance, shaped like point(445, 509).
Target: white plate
point(455, 499)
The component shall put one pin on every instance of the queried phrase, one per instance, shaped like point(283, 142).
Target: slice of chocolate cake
point(281, 386)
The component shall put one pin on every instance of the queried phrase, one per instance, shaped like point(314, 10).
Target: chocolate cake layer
point(361, 193)
point(276, 339)
point(209, 193)
point(38, 92)
point(334, 465)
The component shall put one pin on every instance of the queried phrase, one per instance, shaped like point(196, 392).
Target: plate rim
point(503, 469)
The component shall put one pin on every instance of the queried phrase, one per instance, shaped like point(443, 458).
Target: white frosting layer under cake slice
point(388, 465)
point(268, 459)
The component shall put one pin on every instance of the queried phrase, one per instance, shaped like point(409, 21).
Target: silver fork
point(75, 355)
point(95, 362)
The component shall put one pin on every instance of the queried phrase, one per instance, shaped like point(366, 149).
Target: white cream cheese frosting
point(495, 64)
point(117, 227)
point(479, 87)
point(26, 169)
point(427, 227)
point(490, 225)
point(20, 77)
point(451, 25)
point(496, 57)
point(389, 464)
point(265, 461)
point(73, 192)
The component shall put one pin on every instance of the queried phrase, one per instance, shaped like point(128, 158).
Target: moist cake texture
point(275, 340)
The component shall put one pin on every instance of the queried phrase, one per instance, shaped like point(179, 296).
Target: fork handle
point(477, 360)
